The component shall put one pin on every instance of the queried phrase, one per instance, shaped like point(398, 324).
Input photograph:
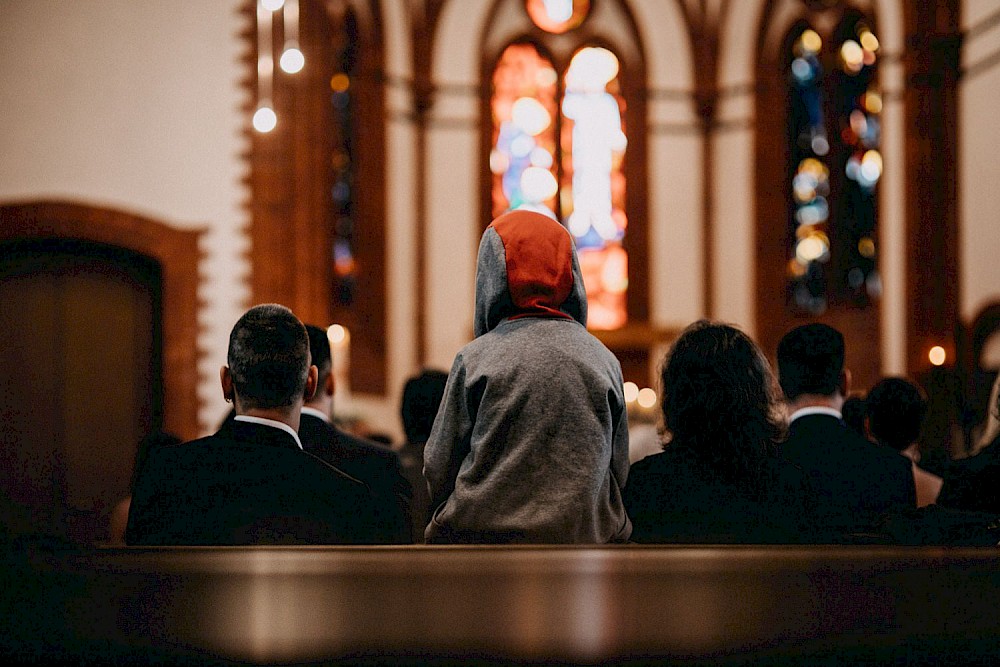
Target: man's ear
point(845, 382)
point(329, 385)
point(226, 377)
point(312, 380)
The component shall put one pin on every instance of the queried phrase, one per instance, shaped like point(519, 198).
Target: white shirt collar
point(272, 423)
point(814, 410)
point(306, 410)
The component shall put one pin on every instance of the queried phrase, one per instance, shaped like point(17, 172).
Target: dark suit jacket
point(412, 458)
point(671, 497)
point(856, 481)
point(373, 464)
point(974, 483)
point(247, 484)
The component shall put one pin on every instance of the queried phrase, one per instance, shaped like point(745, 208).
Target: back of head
point(422, 396)
point(896, 411)
point(319, 350)
point(720, 398)
point(268, 357)
point(527, 266)
point(810, 361)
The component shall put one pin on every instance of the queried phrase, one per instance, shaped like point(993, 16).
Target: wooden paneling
point(290, 182)
point(932, 63)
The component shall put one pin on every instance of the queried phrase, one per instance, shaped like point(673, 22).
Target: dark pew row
point(481, 605)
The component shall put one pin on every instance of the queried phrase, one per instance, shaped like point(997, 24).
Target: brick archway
point(177, 253)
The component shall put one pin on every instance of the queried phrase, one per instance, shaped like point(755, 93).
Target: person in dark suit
point(856, 481)
point(374, 464)
point(251, 482)
point(719, 479)
point(422, 396)
point(974, 483)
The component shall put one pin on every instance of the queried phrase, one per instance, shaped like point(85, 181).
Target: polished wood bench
point(488, 605)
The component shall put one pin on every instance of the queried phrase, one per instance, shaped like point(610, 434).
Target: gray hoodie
point(530, 443)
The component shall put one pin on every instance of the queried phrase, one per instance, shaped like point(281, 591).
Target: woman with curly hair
point(719, 478)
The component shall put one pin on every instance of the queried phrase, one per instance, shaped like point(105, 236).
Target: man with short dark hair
point(375, 465)
point(856, 481)
point(895, 410)
point(419, 406)
point(251, 483)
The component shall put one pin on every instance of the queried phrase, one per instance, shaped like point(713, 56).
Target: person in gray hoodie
point(530, 444)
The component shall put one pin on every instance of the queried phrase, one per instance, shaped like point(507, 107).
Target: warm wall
point(134, 105)
point(979, 168)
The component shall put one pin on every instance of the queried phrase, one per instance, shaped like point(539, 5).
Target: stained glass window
point(579, 179)
point(342, 193)
point(834, 135)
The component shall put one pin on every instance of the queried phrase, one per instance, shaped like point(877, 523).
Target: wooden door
point(80, 381)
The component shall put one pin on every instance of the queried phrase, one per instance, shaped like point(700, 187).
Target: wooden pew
point(483, 605)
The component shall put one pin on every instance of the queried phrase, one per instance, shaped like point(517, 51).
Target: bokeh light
point(264, 119)
point(631, 392)
point(292, 60)
point(810, 41)
point(538, 184)
point(937, 355)
point(853, 56)
point(337, 334)
point(646, 397)
point(340, 82)
point(529, 115)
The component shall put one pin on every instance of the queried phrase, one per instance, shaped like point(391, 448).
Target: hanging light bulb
point(264, 119)
point(292, 60)
point(272, 5)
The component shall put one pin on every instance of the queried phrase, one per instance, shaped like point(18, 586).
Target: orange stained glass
point(524, 110)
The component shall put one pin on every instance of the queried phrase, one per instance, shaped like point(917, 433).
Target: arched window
point(558, 146)
point(834, 139)
point(819, 165)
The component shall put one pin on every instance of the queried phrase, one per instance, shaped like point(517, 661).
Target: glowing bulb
point(614, 275)
point(591, 69)
point(538, 184)
point(811, 41)
point(529, 115)
point(559, 10)
point(937, 355)
point(499, 162)
point(869, 41)
point(853, 56)
point(546, 77)
point(541, 158)
point(337, 334)
point(272, 5)
point(264, 119)
point(646, 397)
point(866, 247)
point(810, 249)
point(522, 146)
point(339, 82)
point(631, 392)
point(871, 168)
point(292, 60)
point(873, 102)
